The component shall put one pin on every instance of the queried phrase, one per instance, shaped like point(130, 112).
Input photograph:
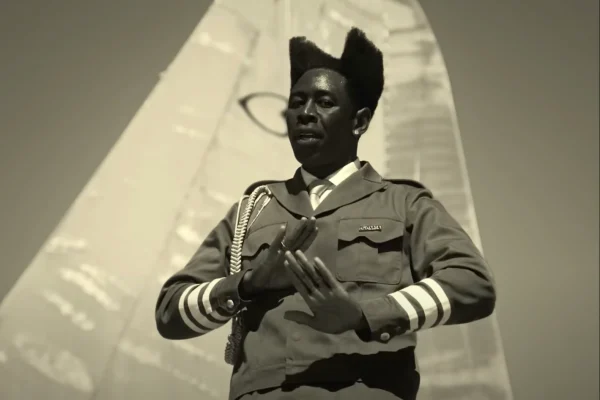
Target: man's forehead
point(321, 79)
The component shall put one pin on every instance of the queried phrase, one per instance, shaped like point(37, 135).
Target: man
point(329, 275)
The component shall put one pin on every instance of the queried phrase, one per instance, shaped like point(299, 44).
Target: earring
point(356, 133)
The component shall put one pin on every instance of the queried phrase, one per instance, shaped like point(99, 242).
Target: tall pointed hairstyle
point(361, 63)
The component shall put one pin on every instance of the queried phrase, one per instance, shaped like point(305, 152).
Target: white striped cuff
point(425, 303)
point(196, 310)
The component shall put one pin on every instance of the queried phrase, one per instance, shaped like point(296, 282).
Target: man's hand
point(270, 275)
point(333, 309)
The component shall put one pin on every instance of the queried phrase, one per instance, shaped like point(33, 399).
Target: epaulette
point(408, 182)
point(251, 188)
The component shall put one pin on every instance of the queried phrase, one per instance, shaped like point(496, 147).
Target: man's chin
point(314, 166)
point(307, 156)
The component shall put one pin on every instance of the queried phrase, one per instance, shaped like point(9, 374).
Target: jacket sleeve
point(453, 284)
point(201, 297)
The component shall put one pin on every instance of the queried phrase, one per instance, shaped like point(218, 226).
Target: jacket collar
point(337, 177)
point(293, 195)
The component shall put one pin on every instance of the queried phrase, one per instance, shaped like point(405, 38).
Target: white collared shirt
point(335, 178)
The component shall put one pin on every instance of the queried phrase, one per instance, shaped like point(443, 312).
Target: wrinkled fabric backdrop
point(79, 324)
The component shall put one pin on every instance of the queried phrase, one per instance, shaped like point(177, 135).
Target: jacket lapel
point(357, 186)
point(292, 195)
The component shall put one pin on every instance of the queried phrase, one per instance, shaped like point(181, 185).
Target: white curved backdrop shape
point(79, 324)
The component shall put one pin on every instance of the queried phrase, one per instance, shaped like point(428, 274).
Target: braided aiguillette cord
point(234, 340)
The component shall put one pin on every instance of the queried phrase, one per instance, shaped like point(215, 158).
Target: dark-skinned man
point(329, 276)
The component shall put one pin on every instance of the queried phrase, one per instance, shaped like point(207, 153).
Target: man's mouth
point(307, 137)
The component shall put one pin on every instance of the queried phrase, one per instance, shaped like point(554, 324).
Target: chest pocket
point(370, 250)
point(256, 242)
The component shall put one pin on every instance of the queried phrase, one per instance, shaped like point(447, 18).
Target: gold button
point(296, 336)
point(230, 304)
point(384, 337)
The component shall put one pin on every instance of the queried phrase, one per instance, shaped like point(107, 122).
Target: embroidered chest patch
point(370, 228)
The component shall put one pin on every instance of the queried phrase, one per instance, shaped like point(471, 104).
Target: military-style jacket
point(393, 247)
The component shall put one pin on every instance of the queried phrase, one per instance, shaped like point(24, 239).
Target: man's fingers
point(325, 274)
point(309, 232)
point(301, 281)
point(310, 225)
point(299, 234)
point(302, 231)
point(297, 283)
point(298, 273)
point(280, 235)
point(276, 245)
point(309, 240)
point(309, 269)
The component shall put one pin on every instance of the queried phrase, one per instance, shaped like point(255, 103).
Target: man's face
point(320, 119)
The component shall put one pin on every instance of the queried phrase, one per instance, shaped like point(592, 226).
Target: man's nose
point(307, 115)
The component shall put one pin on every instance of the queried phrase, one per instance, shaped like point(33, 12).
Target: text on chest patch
point(370, 228)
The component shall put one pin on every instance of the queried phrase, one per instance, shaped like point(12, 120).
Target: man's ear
point(362, 121)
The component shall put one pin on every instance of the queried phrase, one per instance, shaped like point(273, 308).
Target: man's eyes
point(294, 103)
point(322, 102)
point(327, 103)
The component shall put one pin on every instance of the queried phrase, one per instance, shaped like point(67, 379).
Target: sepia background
point(78, 323)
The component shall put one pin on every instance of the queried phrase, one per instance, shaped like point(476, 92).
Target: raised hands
point(270, 275)
point(334, 311)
